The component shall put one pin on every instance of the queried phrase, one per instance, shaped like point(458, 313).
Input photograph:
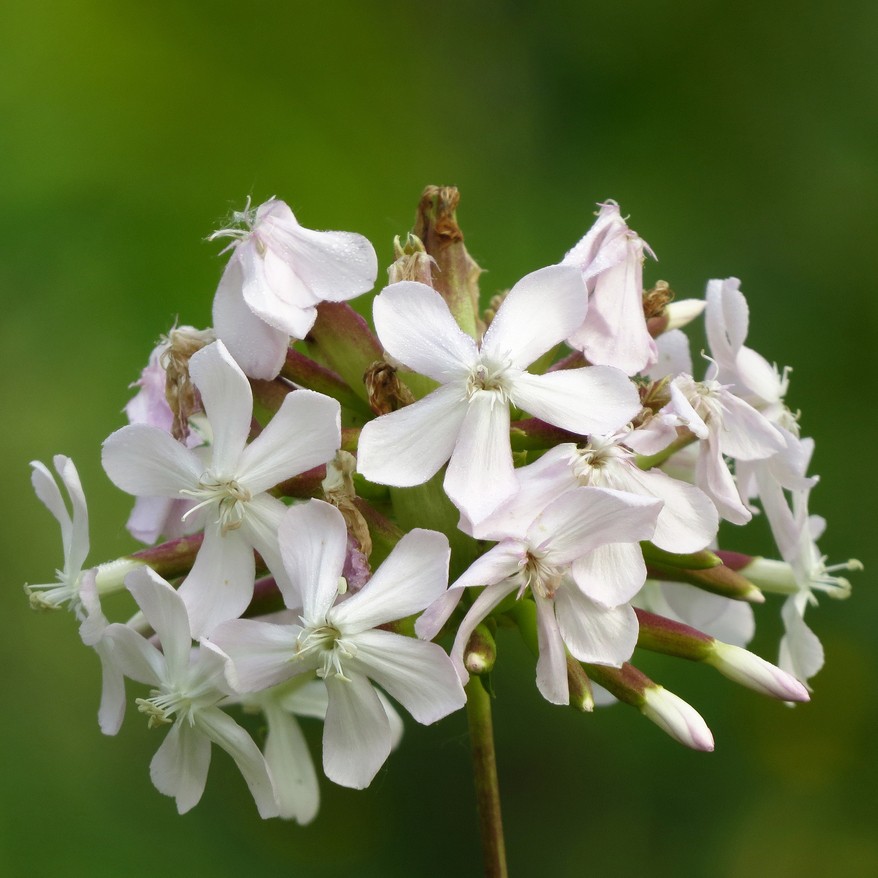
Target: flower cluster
point(306, 486)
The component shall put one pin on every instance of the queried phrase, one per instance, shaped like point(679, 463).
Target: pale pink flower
point(467, 418)
point(278, 273)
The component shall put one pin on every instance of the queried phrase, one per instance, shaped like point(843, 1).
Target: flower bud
point(679, 719)
point(749, 670)
point(481, 651)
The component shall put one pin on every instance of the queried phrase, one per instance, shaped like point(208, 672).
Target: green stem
point(481, 731)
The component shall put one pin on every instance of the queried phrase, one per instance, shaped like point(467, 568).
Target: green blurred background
point(740, 138)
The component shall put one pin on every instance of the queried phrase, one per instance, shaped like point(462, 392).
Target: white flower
point(467, 418)
point(341, 640)
point(229, 480)
point(277, 275)
point(577, 559)
point(614, 332)
point(188, 688)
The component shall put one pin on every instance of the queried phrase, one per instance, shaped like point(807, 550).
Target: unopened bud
point(677, 718)
point(579, 686)
point(749, 670)
point(481, 651)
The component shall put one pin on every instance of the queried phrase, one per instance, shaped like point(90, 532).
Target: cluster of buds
point(307, 487)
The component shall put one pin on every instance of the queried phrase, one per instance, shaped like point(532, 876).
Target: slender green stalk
point(481, 731)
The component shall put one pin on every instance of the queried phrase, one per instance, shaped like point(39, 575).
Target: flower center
point(228, 497)
point(542, 576)
point(161, 706)
point(327, 642)
point(593, 463)
point(489, 376)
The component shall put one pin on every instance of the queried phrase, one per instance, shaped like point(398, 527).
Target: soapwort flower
point(229, 480)
point(278, 273)
point(188, 688)
point(339, 637)
point(467, 417)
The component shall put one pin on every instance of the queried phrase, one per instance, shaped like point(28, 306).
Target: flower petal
point(480, 475)
point(228, 404)
point(220, 728)
point(610, 574)
point(539, 312)
point(291, 766)
point(412, 577)
point(258, 348)
point(596, 634)
point(313, 543)
point(260, 654)
point(356, 735)
point(179, 767)
point(220, 584)
point(407, 447)
point(416, 327)
point(305, 432)
point(147, 462)
point(552, 662)
point(593, 399)
point(166, 613)
point(419, 675)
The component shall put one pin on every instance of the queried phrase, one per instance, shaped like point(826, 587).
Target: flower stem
point(481, 730)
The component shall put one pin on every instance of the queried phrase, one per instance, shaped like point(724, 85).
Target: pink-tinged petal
point(166, 613)
point(135, 656)
point(430, 622)
point(147, 462)
point(261, 654)
point(539, 483)
point(673, 356)
point(416, 327)
point(291, 766)
point(745, 433)
point(595, 634)
point(412, 577)
point(417, 674)
point(153, 517)
point(356, 735)
point(552, 662)
point(614, 332)
point(582, 519)
point(480, 475)
point(676, 718)
point(603, 245)
point(611, 574)
point(272, 288)
point(539, 312)
point(750, 670)
point(112, 708)
point(656, 435)
point(498, 563)
point(258, 348)
point(313, 543)
point(305, 432)
point(687, 522)
point(407, 447)
point(479, 610)
point(594, 399)
point(220, 728)
point(179, 767)
point(228, 403)
point(335, 266)
point(220, 585)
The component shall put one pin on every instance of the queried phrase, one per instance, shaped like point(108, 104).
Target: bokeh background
point(741, 138)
